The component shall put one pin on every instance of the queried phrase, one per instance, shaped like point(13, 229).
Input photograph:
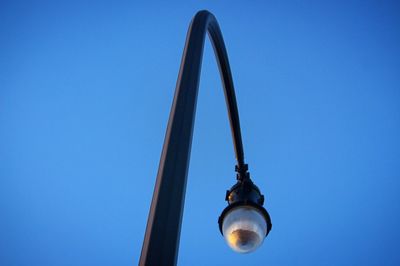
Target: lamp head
point(244, 223)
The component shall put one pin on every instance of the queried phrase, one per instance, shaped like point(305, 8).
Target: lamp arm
point(161, 241)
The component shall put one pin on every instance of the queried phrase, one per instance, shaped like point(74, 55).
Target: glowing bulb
point(244, 229)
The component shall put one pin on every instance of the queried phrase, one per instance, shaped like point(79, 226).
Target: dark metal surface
point(161, 241)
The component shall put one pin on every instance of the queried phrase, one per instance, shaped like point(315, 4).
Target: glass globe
point(244, 229)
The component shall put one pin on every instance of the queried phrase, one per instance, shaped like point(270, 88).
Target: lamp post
point(244, 222)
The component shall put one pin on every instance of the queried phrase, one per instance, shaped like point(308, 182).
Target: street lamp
point(244, 223)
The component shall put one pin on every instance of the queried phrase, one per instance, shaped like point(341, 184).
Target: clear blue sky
point(85, 94)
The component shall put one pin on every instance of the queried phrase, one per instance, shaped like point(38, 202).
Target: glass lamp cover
point(244, 229)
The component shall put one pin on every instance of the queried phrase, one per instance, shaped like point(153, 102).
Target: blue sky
point(85, 94)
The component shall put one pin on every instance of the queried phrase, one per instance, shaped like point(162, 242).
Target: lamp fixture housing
point(244, 223)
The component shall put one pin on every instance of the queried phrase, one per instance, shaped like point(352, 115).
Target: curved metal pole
point(161, 241)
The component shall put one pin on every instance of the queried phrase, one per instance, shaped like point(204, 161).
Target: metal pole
point(161, 241)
